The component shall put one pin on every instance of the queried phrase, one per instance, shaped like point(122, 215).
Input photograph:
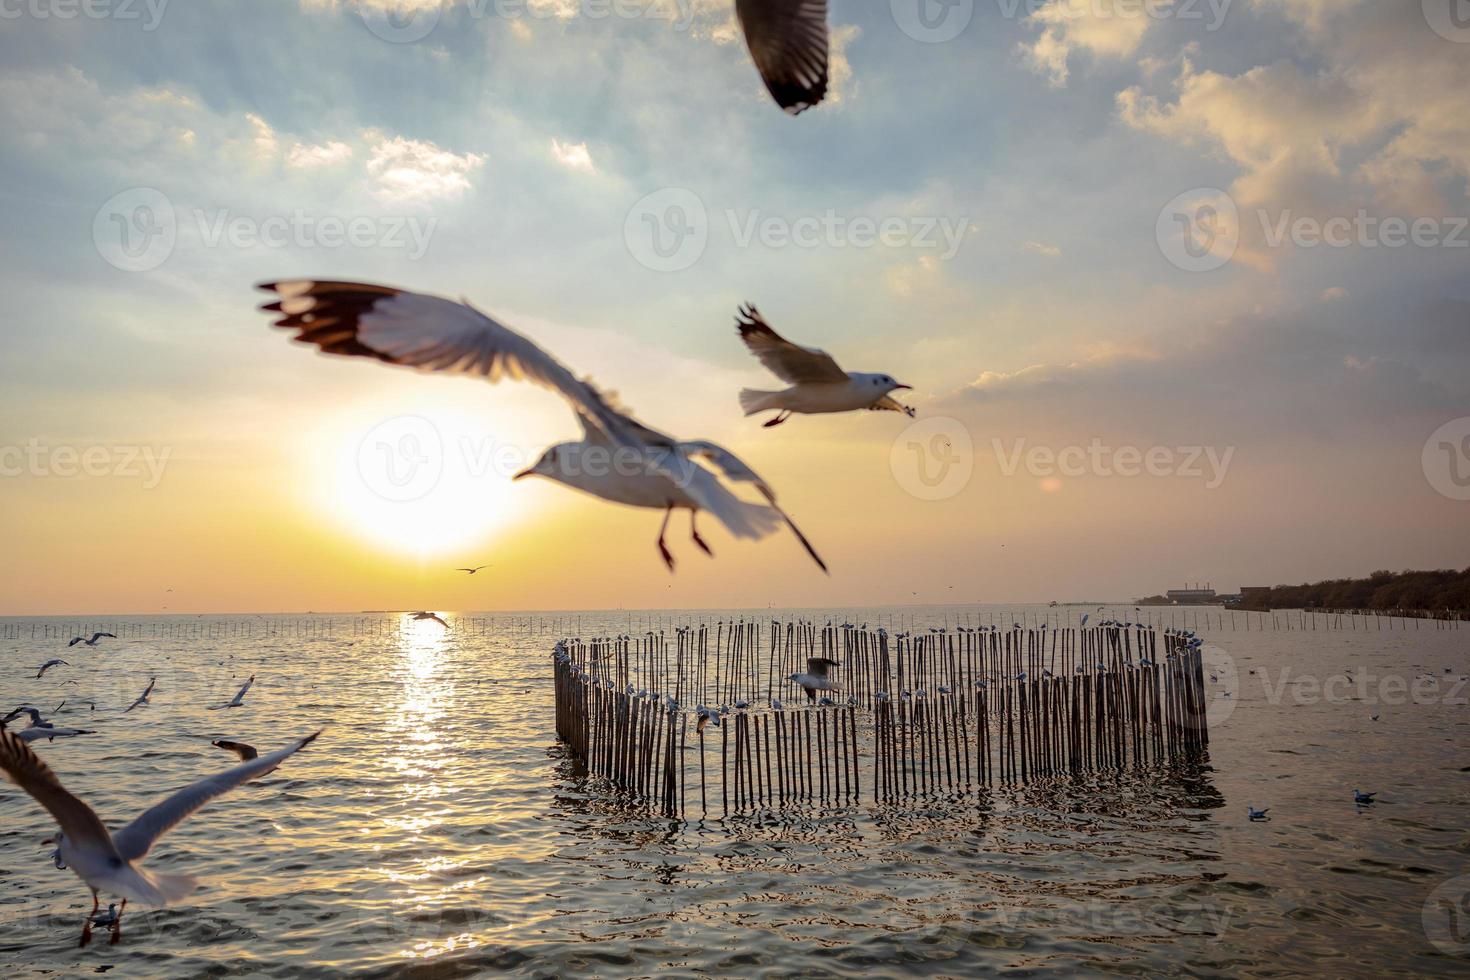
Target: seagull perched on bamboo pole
point(788, 43)
point(816, 678)
point(90, 642)
point(818, 385)
point(618, 458)
point(110, 862)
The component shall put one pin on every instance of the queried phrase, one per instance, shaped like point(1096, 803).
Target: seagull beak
point(49, 842)
point(903, 387)
point(524, 473)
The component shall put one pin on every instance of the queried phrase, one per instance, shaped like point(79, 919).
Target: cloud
point(413, 171)
point(1041, 248)
point(303, 157)
point(1381, 119)
point(573, 156)
point(1103, 30)
point(1318, 372)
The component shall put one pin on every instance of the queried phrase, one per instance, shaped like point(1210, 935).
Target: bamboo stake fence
point(705, 720)
point(1199, 619)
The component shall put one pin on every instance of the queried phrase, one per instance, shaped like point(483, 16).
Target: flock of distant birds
point(109, 861)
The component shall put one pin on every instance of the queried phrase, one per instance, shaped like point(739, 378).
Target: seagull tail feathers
point(143, 886)
point(173, 888)
point(753, 401)
point(804, 543)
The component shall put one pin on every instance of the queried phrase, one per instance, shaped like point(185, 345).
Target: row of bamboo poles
point(708, 719)
point(1198, 619)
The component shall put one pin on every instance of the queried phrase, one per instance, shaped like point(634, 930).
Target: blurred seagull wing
point(788, 42)
point(136, 839)
point(429, 333)
point(24, 768)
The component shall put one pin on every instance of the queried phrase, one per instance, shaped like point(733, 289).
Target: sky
point(1180, 286)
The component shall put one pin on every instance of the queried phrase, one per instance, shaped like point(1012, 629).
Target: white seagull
point(618, 458)
point(92, 642)
point(818, 385)
point(238, 700)
point(788, 42)
point(39, 728)
point(815, 679)
point(109, 862)
point(420, 617)
point(48, 665)
point(142, 698)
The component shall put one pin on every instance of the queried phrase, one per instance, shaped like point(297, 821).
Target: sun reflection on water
point(422, 887)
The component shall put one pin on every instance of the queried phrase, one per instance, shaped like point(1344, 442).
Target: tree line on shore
point(1446, 589)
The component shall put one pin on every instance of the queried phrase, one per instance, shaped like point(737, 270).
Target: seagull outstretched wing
point(134, 841)
point(429, 333)
point(790, 362)
point(26, 770)
point(788, 42)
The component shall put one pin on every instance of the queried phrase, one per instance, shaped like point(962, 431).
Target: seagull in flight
point(618, 458)
point(471, 571)
point(48, 665)
point(420, 617)
point(110, 862)
point(39, 727)
point(238, 700)
point(788, 42)
point(246, 753)
point(142, 698)
point(92, 642)
point(816, 677)
point(818, 385)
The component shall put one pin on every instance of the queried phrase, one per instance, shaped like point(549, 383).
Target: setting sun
point(426, 485)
